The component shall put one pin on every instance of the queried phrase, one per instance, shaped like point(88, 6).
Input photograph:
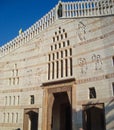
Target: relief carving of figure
point(83, 64)
point(81, 31)
point(98, 62)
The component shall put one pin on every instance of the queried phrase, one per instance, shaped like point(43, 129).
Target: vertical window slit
point(57, 55)
point(70, 52)
point(61, 54)
point(66, 53)
point(57, 69)
point(66, 67)
point(61, 68)
point(48, 71)
point(71, 72)
point(52, 70)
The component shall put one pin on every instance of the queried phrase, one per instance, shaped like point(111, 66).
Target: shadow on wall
point(100, 114)
point(108, 115)
point(77, 119)
point(109, 112)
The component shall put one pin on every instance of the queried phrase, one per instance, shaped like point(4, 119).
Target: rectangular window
point(53, 39)
point(65, 35)
point(53, 56)
point(32, 99)
point(61, 54)
point(52, 70)
point(57, 38)
point(66, 67)
point(61, 36)
point(71, 70)
point(57, 55)
point(55, 46)
point(48, 71)
point(51, 48)
point(92, 93)
point(57, 68)
point(61, 68)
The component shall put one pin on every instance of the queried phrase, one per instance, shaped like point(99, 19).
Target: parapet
point(77, 9)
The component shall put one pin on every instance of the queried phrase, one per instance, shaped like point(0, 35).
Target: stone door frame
point(48, 99)
point(26, 116)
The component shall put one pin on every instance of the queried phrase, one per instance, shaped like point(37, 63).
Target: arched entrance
point(93, 116)
point(61, 112)
point(59, 103)
point(59, 109)
point(30, 119)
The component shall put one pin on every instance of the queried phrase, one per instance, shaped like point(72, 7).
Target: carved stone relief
point(81, 31)
point(97, 62)
point(83, 65)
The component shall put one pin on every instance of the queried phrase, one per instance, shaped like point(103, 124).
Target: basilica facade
point(59, 73)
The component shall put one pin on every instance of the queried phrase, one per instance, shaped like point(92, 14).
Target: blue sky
point(16, 14)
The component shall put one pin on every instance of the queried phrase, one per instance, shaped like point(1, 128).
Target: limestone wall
point(24, 70)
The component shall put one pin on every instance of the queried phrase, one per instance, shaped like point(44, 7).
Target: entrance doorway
point(93, 117)
point(30, 120)
point(59, 101)
point(33, 116)
point(61, 112)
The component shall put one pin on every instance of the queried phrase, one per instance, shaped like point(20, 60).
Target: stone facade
point(68, 54)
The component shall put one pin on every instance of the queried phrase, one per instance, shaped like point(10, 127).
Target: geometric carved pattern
point(60, 56)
